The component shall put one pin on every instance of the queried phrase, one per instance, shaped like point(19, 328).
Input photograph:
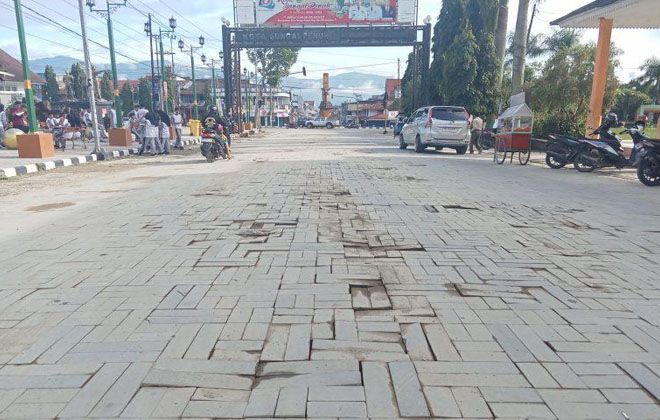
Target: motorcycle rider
point(216, 130)
point(224, 122)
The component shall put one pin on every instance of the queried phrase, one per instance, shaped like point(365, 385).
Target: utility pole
point(214, 91)
point(90, 78)
point(29, 94)
point(398, 69)
point(192, 65)
point(163, 102)
point(147, 29)
point(109, 8)
point(163, 80)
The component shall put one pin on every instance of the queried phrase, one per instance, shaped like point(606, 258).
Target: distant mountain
point(133, 71)
point(62, 64)
point(343, 87)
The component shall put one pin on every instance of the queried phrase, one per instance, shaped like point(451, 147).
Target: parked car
point(320, 122)
point(439, 127)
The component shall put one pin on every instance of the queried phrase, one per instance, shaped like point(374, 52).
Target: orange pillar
point(600, 75)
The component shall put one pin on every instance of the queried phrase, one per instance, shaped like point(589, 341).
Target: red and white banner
point(332, 12)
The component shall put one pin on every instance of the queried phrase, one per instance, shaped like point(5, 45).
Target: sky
point(202, 17)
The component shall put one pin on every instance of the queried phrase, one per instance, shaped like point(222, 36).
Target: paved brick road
point(331, 275)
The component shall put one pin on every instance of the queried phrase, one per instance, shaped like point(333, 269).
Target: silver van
point(439, 127)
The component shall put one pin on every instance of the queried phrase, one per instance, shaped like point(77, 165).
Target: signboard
point(354, 36)
point(324, 12)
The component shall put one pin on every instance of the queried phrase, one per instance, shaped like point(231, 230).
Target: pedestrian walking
point(477, 127)
point(177, 120)
point(3, 125)
point(150, 124)
point(164, 146)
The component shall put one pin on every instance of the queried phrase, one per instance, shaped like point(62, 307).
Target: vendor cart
point(514, 132)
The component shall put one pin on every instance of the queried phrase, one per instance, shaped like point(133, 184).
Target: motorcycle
point(562, 150)
point(606, 152)
point(647, 158)
point(213, 146)
point(486, 140)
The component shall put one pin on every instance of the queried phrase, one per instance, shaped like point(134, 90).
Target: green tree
point(144, 93)
point(649, 81)
point(50, 90)
point(274, 63)
point(207, 94)
point(465, 67)
point(107, 92)
point(560, 94)
point(459, 72)
point(628, 101)
point(78, 81)
point(409, 83)
point(126, 95)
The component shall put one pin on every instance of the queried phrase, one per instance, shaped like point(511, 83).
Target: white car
point(439, 127)
point(320, 122)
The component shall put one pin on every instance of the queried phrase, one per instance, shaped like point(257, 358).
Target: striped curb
point(75, 161)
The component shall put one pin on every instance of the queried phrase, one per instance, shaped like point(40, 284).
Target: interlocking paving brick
point(333, 279)
point(262, 403)
point(336, 409)
point(85, 400)
point(292, 402)
point(378, 390)
point(408, 390)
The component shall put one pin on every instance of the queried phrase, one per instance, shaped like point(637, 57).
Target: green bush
point(558, 123)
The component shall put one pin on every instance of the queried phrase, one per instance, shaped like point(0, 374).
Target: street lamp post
point(154, 94)
point(170, 31)
point(213, 81)
point(90, 78)
point(29, 94)
point(110, 6)
point(192, 65)
point(247, 99)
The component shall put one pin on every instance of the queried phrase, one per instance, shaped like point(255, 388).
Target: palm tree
point(500, 36)
point(520, 47)
point(649, 81)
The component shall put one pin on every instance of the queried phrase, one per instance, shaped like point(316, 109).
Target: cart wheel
point(500, 151)
point(524, 157)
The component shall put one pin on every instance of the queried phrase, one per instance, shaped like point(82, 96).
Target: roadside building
point(12, 87)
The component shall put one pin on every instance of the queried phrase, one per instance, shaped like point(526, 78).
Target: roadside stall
point(514, 132)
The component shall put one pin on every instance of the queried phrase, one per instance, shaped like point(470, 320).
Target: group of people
point(152, 130)
point(13, 117)
point(69, 125)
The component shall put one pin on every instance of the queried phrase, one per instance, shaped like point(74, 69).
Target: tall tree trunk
point(520, 47)
point(500, 36)
point(531, 24)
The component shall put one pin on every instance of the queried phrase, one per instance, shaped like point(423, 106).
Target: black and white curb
point(76, 160)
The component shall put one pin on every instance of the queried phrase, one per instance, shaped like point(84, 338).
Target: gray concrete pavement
point(328, 274)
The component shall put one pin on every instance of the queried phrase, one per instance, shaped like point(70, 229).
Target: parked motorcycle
point(646, 158)
point(486, 140)
point(562, 150)
point(606, 152)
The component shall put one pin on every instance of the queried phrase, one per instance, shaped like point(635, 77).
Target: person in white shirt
point(177, 120)
point(150, 123)
point(3, 124)
point(87, 118)
point(477, 128)
point(51, 122)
